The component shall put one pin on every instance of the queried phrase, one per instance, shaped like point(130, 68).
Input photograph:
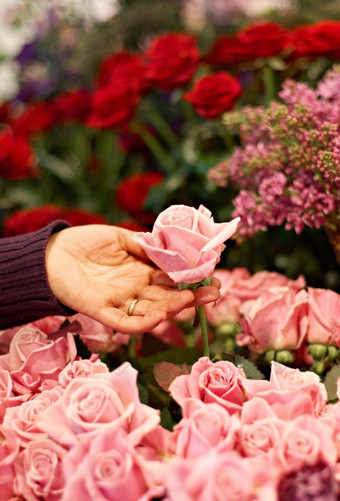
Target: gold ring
point(132, 307)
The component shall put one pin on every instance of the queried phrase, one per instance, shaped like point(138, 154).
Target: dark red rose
point(122, 68)
point(172, 60)
point(314, 40)
point(263, 40)
point(4, 112)
point(79, 217)
point(37, 117)
point(113, 106)
point(132, 193)
point(214, 94)
point(16, 157)
point(228, 49)
point(72, 106)
point(27, 220)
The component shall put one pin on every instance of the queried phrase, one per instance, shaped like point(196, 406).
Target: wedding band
point(132, 307)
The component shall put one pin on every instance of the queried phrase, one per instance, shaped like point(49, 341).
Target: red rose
point(37, 117)
point(132, 193)
point(72, 106)
point(113, 106)
point(121, 68)
point(263, 40)
point(27, 220)
point(79, 217)
point(214, 94)
point(228, 50)
point(173, 59)
point(16, 157)
point(315, 40)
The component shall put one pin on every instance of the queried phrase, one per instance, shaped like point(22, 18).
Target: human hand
point(99, 270)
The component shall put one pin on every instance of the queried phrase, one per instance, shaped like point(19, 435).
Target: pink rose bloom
point(169, 332)
point(277, 320)
point(306, 440)
point(8, 398)
point(23, 419)
point(96, 336)
point(9, 449)
point(34, 356)
point(91, 404)
point(81, 368)
point(39, 472)
point(186, 243)
point(226, 308)
point(323, 316)
point(216, 477)
point(220, 382)
point(107, 468)
point(261, 437)
point(203, 427)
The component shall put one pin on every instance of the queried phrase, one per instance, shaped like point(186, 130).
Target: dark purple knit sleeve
point(24, 291)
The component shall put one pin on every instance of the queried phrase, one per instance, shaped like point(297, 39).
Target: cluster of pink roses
point(71, 429)
point(276, 313)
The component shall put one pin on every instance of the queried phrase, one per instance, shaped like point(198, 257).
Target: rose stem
point(204, 330)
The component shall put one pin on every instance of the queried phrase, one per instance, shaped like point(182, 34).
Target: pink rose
point(203, 427)
point(9, 449)
point(226, 308)
point(96, 336)
point(220, 382)
point(40, 356)
point(105, 400)
point(8, 398)
point(107, 468)
point(186, 243)
point(277, 320)
point(214, 477)
point(23, 419)
point(306, 440)
point(323, 316)
point(81, 368)
point(39, 472)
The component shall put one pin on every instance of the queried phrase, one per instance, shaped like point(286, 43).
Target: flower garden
point(220, 148)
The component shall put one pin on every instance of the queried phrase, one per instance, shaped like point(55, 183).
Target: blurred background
point(85, 173)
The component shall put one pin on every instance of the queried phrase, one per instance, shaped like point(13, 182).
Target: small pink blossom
point(186, 243)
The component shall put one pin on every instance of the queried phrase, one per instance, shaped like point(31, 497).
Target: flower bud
point(284, 357)
point(269, 356)
point(317, 351)
point(333, 352)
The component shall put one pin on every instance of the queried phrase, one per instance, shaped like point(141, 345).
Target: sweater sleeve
point(25, 294)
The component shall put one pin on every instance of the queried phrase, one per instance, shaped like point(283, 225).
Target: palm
point(99, 270)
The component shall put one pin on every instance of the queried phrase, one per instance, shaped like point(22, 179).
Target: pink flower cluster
point(288, 165)
point(275, 312)
point(71, 429)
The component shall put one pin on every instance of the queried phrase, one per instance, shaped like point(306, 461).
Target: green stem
point(162, 126)
point(269, 84)
point(204, 330)
point(156, 148)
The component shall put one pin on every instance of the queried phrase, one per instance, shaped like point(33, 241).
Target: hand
point(99, 270)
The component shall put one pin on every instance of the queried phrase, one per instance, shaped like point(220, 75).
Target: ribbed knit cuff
point(25, 294)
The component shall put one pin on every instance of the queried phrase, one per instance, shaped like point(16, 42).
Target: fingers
point(161, 278)
point(121, 322)
point(205, 295)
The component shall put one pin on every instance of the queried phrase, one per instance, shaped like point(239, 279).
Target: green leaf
point(166, 419)
point(166, 372)
point(331, 380)
point(56, 166)
point(143, 393)
point(250, 369)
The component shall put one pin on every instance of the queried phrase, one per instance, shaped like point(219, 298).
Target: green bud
point(225, 329)
point(284, 357)
point(269, 356)
point(229, 343)
point(333, 352)
point(318, 351)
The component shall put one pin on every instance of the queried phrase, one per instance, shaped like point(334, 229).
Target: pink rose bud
point(186, 243)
